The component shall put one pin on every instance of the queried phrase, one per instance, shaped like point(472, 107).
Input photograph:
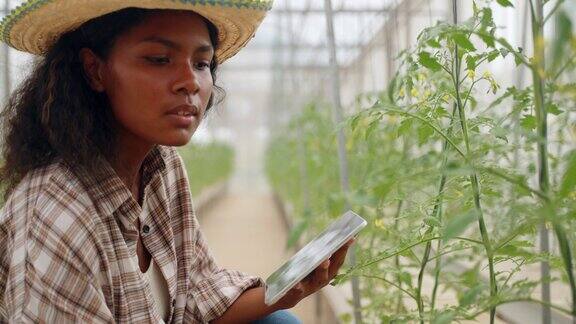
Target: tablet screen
point(312, 255)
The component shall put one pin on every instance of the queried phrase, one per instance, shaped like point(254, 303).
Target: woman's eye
point(158, 59)
point(203, 65)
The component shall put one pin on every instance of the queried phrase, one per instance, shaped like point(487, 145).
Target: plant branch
point(510, 179)
point(553, 10)
point(566, 64)
point(390, 283)
point(424, 120)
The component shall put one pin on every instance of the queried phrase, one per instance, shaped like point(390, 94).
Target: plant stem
point(384, 256)
point(477, 204)
point(566, 64)
point(437, 269)
point(404, 249)
point(539, 79)
point(397, 258)
point(437, 213)
point(474, 175)
point(405, 153)
point(565, 251)
point(391, 284)
point(427, 122)
point(553, 10)
point(515, 300)
point(541, 126)
point(399, 304)
point(511, 180)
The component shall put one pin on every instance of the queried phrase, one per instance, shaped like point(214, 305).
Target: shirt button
point(146, 229)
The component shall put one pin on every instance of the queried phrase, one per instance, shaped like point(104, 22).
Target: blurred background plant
point(450, 167)
point(207, 164)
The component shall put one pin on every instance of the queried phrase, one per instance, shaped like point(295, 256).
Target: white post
point(343, 161)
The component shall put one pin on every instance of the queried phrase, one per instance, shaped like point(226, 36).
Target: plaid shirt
point(67, 238)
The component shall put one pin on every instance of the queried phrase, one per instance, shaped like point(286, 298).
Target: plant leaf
point(433, 43)
point(493, 55)
point(458, 224)
point(463, 41)
point(444, 318)
point(528, 122)
point(505, 3)
point(500, 132)
point(569, 178)
point(428, 61)
point(471, 62)
point(553, 109)
point(432, 221)
point(487, 39)
point(405, 127)
point(470, 296)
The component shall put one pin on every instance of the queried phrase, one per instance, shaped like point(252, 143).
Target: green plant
point(430, 156)
point(206, 164)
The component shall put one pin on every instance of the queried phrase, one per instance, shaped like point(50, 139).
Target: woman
point(98, 224)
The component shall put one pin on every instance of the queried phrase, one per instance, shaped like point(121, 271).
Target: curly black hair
point(56, 114)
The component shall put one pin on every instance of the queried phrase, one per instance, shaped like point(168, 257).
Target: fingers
point(318, 278)
point(322, 275)
point(338, 258)
point(292, 297)
point(296, 290)
point(326, 271)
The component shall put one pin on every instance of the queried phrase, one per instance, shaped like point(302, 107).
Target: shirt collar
point(108, 191)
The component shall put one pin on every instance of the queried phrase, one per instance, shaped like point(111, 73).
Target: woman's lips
point(184, 110)
point(183, 115)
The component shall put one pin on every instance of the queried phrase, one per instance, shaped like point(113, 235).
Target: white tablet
point(312, 255)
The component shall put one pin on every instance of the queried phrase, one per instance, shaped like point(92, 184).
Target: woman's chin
point(180, 139)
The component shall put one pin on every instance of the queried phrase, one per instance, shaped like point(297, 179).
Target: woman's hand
point(317, 279)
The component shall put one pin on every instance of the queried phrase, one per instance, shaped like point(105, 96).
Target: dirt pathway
point(246, 233)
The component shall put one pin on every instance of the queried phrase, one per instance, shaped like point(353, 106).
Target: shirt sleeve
point(48, 279)
point(213, 290)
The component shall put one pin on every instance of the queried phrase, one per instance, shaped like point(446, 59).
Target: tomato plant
point(197, 157)
point(454, 171)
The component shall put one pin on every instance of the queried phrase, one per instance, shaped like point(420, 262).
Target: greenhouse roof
point(299, 27)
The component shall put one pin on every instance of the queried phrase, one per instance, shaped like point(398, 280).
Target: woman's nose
point(187, 81)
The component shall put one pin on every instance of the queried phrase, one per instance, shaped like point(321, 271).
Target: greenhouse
point(448, 125)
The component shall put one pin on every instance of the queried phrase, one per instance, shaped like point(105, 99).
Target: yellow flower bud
point(471, 74)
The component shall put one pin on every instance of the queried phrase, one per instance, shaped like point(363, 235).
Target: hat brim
point(35, 26)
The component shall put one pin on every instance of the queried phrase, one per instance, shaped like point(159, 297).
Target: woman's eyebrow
point(161, 40)
point(205, 48)
point(171, 44)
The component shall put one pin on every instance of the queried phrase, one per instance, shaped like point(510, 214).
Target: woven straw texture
point(35, 25)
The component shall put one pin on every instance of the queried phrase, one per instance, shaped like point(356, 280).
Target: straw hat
point(36, 24)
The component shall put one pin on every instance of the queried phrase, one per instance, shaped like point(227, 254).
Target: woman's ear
point(92, 66)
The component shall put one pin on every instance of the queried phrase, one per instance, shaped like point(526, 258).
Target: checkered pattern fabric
point(67, 237)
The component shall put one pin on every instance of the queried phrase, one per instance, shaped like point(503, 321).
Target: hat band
point(11, 19)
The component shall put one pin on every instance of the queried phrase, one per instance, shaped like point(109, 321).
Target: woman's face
point(157, 79)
